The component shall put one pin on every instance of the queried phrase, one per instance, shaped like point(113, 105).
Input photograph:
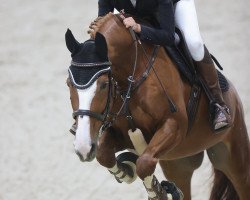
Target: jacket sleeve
point(104, 7)
point(165, 35)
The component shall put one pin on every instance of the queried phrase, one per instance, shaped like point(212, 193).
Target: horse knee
point(196, 48)
point(105, 158)
point(145, 166)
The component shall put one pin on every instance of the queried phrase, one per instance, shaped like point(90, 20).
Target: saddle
point(182, 57)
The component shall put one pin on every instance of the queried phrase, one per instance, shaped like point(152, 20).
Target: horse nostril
point(93, 147)
point(80, 155)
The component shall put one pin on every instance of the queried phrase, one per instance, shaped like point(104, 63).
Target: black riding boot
point(221, 117)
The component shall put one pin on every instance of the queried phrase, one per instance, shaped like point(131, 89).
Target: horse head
point(88, 82)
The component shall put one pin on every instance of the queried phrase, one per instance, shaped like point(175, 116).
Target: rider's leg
point(186, 21)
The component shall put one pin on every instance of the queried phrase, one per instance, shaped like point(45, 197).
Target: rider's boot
point(221, 117)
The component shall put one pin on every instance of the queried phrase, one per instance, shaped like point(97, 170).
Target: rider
point(164, 15)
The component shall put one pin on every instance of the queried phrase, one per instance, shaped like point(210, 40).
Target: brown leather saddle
point(182, 57)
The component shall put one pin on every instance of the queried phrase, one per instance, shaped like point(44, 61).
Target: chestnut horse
point(169, 141)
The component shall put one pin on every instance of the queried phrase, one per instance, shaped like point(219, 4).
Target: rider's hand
point(130, 22)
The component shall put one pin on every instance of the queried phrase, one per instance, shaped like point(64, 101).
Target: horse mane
point(98, 23)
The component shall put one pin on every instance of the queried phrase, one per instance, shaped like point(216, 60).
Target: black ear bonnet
point(87, 65)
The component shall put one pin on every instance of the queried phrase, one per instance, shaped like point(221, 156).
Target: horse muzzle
point(89, 156)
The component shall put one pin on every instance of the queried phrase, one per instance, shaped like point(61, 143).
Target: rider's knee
point(196, 48)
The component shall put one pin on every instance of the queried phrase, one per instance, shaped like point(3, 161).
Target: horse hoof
point(128, 162)
point(172, 190)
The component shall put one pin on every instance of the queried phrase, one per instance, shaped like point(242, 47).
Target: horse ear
point(101, 46)
point(71, 43)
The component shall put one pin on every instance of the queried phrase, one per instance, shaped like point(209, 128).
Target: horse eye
point(103, 85)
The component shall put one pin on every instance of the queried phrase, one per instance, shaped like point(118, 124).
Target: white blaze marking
point(83, 141)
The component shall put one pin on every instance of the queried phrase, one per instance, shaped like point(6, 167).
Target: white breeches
point(186, 20)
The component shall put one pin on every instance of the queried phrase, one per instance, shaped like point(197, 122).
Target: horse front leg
point(163, 141)
point(105, 155)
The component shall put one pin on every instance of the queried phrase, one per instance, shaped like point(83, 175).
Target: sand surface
point(37, 161)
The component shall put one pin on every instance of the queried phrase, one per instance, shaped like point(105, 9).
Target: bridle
point(106, 117)
point(80, 112)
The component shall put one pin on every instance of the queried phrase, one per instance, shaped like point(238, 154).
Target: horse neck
point(121, 49)
point(123, 60)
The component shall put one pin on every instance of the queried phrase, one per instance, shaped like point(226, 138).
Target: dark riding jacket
point(159, 13)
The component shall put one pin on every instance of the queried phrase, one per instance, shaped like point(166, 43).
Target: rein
point(131, 80)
